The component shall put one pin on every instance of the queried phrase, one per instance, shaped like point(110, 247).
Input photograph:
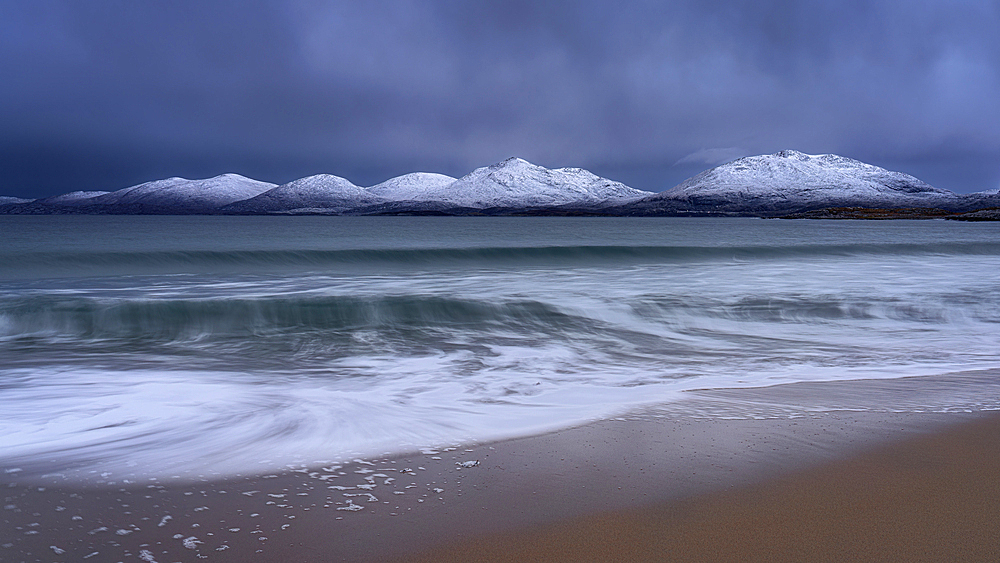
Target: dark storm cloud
point(100, 95)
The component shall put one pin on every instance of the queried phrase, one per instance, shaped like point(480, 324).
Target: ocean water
point(174, 346)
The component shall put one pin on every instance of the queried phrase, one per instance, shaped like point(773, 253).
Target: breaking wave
point(234, 341)
point(100, 318)
point(173, 319)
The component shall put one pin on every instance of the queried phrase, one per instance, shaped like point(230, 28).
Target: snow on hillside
point(981, 200)
point(410, 187)
point(791, 178)
point(513, 183)
point(183, 194)
point(784, 182)
point(322, 192)
point(11, 200)
point(72, 198)
point(517, 183)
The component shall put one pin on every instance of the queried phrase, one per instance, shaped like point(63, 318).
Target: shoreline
point(402, 506)
point(931, 497)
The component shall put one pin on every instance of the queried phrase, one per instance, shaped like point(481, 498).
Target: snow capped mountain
point(11, 200)
point(512, 184)
point(410, 187)
point(72, 198)
point(182, 195)
point(516, 183)
point(319, 193)
point(791, 180)
point(783, 183)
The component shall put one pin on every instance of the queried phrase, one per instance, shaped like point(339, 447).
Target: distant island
point(787, 184)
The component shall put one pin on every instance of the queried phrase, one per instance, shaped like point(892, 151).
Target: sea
point(171, 346)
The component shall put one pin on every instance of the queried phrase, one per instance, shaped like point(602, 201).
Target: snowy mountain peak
point(789, 153)
point(320, 185)
point(410, 187)
point(787, 181)
point(185, 195)
point(515, 182)
point(791, 179)
point(318, 193)
point(511, 162)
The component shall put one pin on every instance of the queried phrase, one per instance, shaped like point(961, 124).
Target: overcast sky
point(102, 95)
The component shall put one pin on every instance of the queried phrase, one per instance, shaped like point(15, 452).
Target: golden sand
point(933, 498)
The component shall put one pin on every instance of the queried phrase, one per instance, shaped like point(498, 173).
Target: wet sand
point(932, 498)
point(806, 471)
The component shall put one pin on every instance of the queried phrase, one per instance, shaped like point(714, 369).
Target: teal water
point(163, 345)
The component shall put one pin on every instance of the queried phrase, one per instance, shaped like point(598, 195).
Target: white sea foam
point(191, 542)
point(161, 375)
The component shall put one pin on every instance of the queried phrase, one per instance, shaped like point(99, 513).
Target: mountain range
point(784, 183)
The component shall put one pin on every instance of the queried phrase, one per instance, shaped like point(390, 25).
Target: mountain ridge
point(791, 181)
point(786, 182)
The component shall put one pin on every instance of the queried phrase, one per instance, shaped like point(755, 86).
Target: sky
point(101, 95)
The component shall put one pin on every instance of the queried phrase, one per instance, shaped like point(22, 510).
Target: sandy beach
point(929, 498)
point(810, 471)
